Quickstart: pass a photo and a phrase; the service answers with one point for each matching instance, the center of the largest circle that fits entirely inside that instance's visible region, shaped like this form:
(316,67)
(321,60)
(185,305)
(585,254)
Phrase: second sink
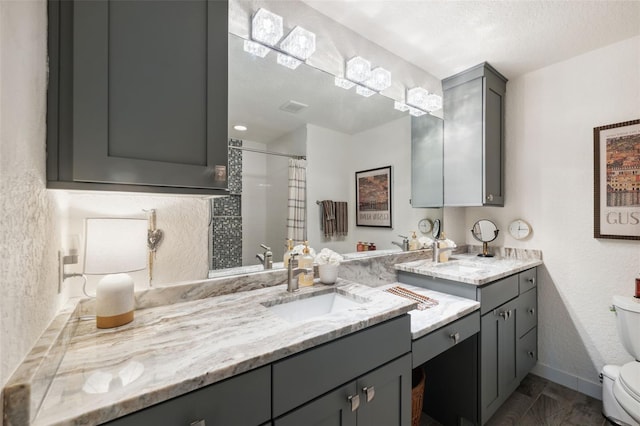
(315,305)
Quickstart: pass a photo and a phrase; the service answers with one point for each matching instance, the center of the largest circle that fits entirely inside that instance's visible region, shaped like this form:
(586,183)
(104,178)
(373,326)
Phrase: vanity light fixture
(364,91)
(380,79)
(344,83)
(417,97)
(433,102)
(400,106)
(299,43)
(358,69)
(256,49)
(288,61)
(266,27)
(416,112)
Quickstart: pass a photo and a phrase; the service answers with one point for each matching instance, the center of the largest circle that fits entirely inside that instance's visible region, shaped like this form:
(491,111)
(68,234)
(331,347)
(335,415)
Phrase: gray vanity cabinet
(137,97)
(473,103)
(241,400)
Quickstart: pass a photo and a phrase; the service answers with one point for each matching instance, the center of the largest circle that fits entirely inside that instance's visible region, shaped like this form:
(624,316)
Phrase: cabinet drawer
(442,339)
(527,353)
(216,404)
(527,312)
(302,377)
(527,280)
(493,295)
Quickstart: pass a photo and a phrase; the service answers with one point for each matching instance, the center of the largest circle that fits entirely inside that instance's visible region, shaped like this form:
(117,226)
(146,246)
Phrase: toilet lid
(630,379)
(627,303)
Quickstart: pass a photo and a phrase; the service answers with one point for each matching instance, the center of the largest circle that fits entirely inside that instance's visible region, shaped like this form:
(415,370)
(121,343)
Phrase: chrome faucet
(437,250)
(266,258)
(405,243)
(293,272)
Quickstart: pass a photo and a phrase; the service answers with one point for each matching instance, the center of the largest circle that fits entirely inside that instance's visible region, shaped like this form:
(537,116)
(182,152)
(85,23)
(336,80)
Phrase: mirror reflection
(485,231)
(301,116)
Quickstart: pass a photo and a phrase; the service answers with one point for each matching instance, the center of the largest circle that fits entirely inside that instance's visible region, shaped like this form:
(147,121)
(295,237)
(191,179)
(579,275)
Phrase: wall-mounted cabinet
(137,96)
(426,161)
(474,102)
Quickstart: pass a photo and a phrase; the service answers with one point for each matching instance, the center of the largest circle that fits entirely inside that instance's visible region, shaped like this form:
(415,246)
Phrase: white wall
(550,118)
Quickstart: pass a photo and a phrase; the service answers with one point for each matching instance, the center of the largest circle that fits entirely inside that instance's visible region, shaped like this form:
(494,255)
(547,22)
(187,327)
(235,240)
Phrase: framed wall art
(616,153)
(373,197)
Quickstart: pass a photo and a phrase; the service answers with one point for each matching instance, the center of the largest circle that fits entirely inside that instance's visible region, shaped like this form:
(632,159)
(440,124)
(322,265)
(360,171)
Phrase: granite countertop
(448,309)
(471,269)
(173,349)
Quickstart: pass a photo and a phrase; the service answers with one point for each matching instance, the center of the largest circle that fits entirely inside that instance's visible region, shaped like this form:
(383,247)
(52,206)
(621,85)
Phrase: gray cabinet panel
(332,409)
(435,343)
(527,280)
(527,313)
(217,404)
(495,294)
(527,353)
(138,96)
(426,161)
(302,377)
(389,401)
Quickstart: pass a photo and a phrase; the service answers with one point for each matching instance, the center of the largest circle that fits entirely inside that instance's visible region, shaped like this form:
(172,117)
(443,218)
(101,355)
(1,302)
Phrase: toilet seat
(627,389)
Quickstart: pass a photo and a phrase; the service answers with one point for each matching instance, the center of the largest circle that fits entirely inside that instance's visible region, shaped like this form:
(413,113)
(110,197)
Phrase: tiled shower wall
(226,218)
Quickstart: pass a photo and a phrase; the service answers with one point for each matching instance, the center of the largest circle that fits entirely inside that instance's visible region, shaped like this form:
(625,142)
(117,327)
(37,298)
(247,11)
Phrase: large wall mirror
(302,113)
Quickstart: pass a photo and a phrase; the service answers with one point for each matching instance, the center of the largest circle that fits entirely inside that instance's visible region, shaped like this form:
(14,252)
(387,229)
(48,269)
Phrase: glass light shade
(358,69)
(344,83)
(266,27)
(400,106)
(300,43)
(288,61)
(417,97)
(256,49)
(433,102)
(115,245)
(380,79)
(416,112)
(363,91)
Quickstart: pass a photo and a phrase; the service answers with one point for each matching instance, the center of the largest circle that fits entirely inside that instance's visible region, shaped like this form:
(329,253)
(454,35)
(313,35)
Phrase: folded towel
(342,218)
(328,218)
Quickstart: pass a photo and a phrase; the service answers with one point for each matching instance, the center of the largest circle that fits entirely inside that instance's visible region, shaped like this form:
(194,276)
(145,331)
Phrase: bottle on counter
(305,261)
(287,254)
(365,246)
(359,246)
(638,286)
(413,242)
(372,246)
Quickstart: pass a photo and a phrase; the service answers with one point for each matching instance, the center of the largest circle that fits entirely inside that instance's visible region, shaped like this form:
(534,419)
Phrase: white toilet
(621,385)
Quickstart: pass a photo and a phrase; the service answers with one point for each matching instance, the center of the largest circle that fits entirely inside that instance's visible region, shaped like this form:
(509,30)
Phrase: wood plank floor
(539,402)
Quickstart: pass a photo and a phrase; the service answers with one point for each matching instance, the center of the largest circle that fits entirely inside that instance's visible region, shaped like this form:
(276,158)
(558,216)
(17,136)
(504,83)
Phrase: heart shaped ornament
(154,238)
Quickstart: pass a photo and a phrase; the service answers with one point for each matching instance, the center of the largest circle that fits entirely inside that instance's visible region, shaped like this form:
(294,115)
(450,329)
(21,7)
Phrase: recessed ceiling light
(240,128)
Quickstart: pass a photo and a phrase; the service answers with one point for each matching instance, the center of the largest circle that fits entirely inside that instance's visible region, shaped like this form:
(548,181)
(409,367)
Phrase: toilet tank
(628,323)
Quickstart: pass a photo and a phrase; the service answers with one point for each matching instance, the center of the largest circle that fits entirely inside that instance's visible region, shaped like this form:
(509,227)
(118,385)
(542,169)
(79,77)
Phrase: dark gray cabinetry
(508,331)
(426,161)
(241,400)
(474,102)
(363,378)
(137,96)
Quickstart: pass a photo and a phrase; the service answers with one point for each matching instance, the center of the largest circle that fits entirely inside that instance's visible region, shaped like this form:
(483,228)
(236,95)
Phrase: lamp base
(114,321)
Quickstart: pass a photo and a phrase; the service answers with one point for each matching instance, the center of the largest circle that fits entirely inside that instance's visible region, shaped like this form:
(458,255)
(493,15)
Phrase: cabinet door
(527,353)
(498,373)
(493,140)
(150,93)
(337,408)
(427,188)
(385,395)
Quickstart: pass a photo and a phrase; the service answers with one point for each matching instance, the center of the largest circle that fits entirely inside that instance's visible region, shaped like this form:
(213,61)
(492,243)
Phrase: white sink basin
(458,268)
(313,306)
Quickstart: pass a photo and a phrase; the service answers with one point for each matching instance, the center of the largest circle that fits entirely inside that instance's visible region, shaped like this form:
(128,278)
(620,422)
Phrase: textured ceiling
(446,37)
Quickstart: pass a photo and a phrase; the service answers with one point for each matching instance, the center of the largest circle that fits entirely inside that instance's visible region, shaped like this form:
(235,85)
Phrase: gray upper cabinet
(426,161)
(474,102)
(138,96)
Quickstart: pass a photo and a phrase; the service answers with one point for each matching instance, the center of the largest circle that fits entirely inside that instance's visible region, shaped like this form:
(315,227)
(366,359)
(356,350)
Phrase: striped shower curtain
(297,212)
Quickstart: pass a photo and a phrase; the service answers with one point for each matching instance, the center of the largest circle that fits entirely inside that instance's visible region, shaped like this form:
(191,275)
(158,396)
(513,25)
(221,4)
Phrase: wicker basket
(417,392)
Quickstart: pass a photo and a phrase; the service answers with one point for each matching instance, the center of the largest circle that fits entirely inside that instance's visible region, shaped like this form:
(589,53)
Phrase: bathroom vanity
(507,292)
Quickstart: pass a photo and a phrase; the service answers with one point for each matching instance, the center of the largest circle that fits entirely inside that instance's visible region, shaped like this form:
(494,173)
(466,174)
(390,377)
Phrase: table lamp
(114,247)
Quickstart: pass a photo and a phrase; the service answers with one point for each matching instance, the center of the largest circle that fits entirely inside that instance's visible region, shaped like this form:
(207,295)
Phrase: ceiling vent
(293,107)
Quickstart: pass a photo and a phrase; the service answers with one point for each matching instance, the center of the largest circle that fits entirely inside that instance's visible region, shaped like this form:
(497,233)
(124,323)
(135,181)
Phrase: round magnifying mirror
(436,229)
(485,231)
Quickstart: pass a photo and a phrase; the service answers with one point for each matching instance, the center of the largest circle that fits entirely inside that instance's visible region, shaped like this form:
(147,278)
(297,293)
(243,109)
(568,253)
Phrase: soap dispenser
(305,261)
(413,242)
(287,254)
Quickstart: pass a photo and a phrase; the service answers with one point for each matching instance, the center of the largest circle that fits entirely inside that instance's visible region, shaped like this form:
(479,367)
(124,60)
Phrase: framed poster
(373,197)
(616,153)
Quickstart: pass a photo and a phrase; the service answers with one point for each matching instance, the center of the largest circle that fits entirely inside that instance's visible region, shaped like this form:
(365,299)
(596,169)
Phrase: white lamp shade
(115,245)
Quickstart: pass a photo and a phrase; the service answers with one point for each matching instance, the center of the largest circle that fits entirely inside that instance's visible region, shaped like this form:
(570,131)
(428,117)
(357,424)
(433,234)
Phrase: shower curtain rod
(242,148)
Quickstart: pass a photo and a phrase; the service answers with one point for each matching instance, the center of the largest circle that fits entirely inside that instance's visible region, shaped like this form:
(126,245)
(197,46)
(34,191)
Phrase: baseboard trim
(586,387)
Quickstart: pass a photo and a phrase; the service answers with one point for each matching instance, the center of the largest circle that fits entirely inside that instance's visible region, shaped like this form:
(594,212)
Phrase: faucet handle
(402,236)
(265,247)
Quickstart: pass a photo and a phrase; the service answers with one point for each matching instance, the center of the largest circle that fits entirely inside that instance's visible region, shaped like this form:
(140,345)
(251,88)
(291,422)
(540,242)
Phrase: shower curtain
(297,212)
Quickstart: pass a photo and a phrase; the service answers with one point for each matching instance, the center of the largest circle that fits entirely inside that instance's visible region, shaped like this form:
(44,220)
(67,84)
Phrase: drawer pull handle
(355,402)
(198,423)
(531,354)
(532,280)
(531,311)
(490,197)
(505,314)
(370,392)
(455,337)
